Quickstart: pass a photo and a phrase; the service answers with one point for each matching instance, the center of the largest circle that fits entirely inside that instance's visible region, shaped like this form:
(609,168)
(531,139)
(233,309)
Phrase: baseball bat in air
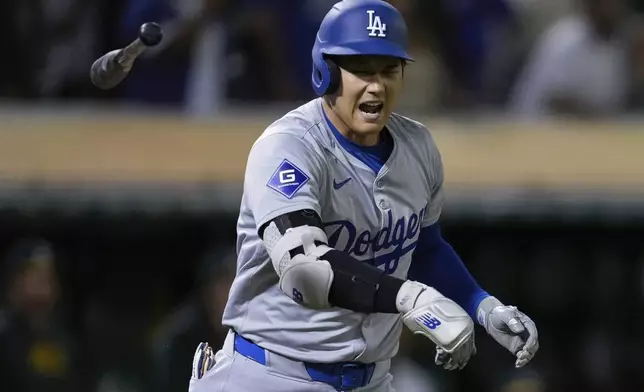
(109,70)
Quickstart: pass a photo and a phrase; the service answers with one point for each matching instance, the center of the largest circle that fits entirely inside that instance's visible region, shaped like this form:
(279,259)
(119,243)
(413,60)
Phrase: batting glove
(429,313)
(511,328)
(203,360)
(457,359)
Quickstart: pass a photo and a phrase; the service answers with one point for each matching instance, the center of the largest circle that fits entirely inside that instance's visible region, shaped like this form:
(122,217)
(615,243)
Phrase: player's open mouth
(371,110)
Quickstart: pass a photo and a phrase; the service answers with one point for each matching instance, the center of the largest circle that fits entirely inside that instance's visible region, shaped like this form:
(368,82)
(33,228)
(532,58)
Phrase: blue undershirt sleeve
(436,264)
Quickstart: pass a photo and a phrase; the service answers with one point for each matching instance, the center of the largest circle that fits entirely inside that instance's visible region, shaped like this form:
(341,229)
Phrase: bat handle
(129,54)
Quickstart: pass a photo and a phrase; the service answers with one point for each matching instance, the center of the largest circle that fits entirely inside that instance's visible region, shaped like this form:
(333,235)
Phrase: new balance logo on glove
(428,320)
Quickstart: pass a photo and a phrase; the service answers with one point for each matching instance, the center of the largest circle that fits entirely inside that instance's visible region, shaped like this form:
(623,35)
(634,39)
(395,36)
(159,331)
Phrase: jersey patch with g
(287,179)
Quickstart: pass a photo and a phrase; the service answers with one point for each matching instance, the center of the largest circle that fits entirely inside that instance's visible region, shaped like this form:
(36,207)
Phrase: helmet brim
(368,48)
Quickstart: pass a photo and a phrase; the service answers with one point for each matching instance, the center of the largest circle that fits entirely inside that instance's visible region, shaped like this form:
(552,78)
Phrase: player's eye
(391,70)
(363,72)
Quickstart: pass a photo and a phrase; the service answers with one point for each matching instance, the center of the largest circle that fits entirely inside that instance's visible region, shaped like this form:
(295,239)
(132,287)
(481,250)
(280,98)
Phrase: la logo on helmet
(376,27)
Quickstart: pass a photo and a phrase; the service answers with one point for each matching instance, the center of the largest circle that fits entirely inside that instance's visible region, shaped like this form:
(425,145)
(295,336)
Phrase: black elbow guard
(361,287)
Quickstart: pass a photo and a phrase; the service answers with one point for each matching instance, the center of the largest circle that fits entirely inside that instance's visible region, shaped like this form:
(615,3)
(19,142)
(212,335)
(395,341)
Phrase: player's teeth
(371,107)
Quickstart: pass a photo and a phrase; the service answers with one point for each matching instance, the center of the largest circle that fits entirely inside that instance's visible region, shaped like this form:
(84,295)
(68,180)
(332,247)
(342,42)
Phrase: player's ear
(335,82)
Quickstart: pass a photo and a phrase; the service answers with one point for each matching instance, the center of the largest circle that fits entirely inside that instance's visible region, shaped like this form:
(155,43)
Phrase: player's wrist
(424,309)
(486,307)
(409,293)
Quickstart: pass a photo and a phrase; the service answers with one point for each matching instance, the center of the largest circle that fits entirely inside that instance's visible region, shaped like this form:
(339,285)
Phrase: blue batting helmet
(356,27)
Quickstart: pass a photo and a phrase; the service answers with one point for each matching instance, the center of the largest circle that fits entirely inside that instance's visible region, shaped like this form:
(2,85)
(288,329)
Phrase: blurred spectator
(288,31)
(214,52)
(186,69)
(532,19)
(425,78)
(579,66)
(636,66)
(23,42)
(198,320)
(37,350)
(70,39)
(472,36)
(537,16)
(51,45)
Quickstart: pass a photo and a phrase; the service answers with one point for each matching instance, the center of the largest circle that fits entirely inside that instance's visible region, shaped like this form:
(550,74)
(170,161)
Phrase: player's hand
(511,328)
(429,313)
(459,358)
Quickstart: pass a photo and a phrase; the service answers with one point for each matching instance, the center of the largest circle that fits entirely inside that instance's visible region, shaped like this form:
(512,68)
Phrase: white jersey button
(383,204)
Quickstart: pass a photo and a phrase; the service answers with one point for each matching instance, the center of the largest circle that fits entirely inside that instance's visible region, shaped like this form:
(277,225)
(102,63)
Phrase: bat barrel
(106,72)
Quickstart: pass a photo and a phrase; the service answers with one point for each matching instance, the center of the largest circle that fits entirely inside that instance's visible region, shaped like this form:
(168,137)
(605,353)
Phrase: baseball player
(339,245)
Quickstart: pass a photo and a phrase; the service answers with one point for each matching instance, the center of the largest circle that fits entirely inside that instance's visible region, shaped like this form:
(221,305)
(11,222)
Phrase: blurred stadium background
(118,208)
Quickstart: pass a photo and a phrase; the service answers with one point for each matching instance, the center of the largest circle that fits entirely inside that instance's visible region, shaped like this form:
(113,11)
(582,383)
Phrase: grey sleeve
(436,194)
(283,174)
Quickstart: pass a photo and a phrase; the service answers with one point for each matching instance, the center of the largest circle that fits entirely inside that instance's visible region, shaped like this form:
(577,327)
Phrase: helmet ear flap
(321,76)
(326,75)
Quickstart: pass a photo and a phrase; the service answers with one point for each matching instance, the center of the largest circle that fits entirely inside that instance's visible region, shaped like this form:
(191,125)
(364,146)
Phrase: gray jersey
(297,164)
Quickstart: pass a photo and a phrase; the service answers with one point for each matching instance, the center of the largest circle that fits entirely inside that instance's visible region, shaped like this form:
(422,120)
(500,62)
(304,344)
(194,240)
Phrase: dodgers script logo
(376,25)
(398,238)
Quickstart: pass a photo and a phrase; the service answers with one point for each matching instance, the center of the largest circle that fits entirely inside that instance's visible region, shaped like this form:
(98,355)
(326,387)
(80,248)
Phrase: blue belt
(343,376)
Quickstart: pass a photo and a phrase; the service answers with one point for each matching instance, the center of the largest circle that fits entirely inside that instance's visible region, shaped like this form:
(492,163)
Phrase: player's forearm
(364,288)
(437,264)
(361,287)
(317,276)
